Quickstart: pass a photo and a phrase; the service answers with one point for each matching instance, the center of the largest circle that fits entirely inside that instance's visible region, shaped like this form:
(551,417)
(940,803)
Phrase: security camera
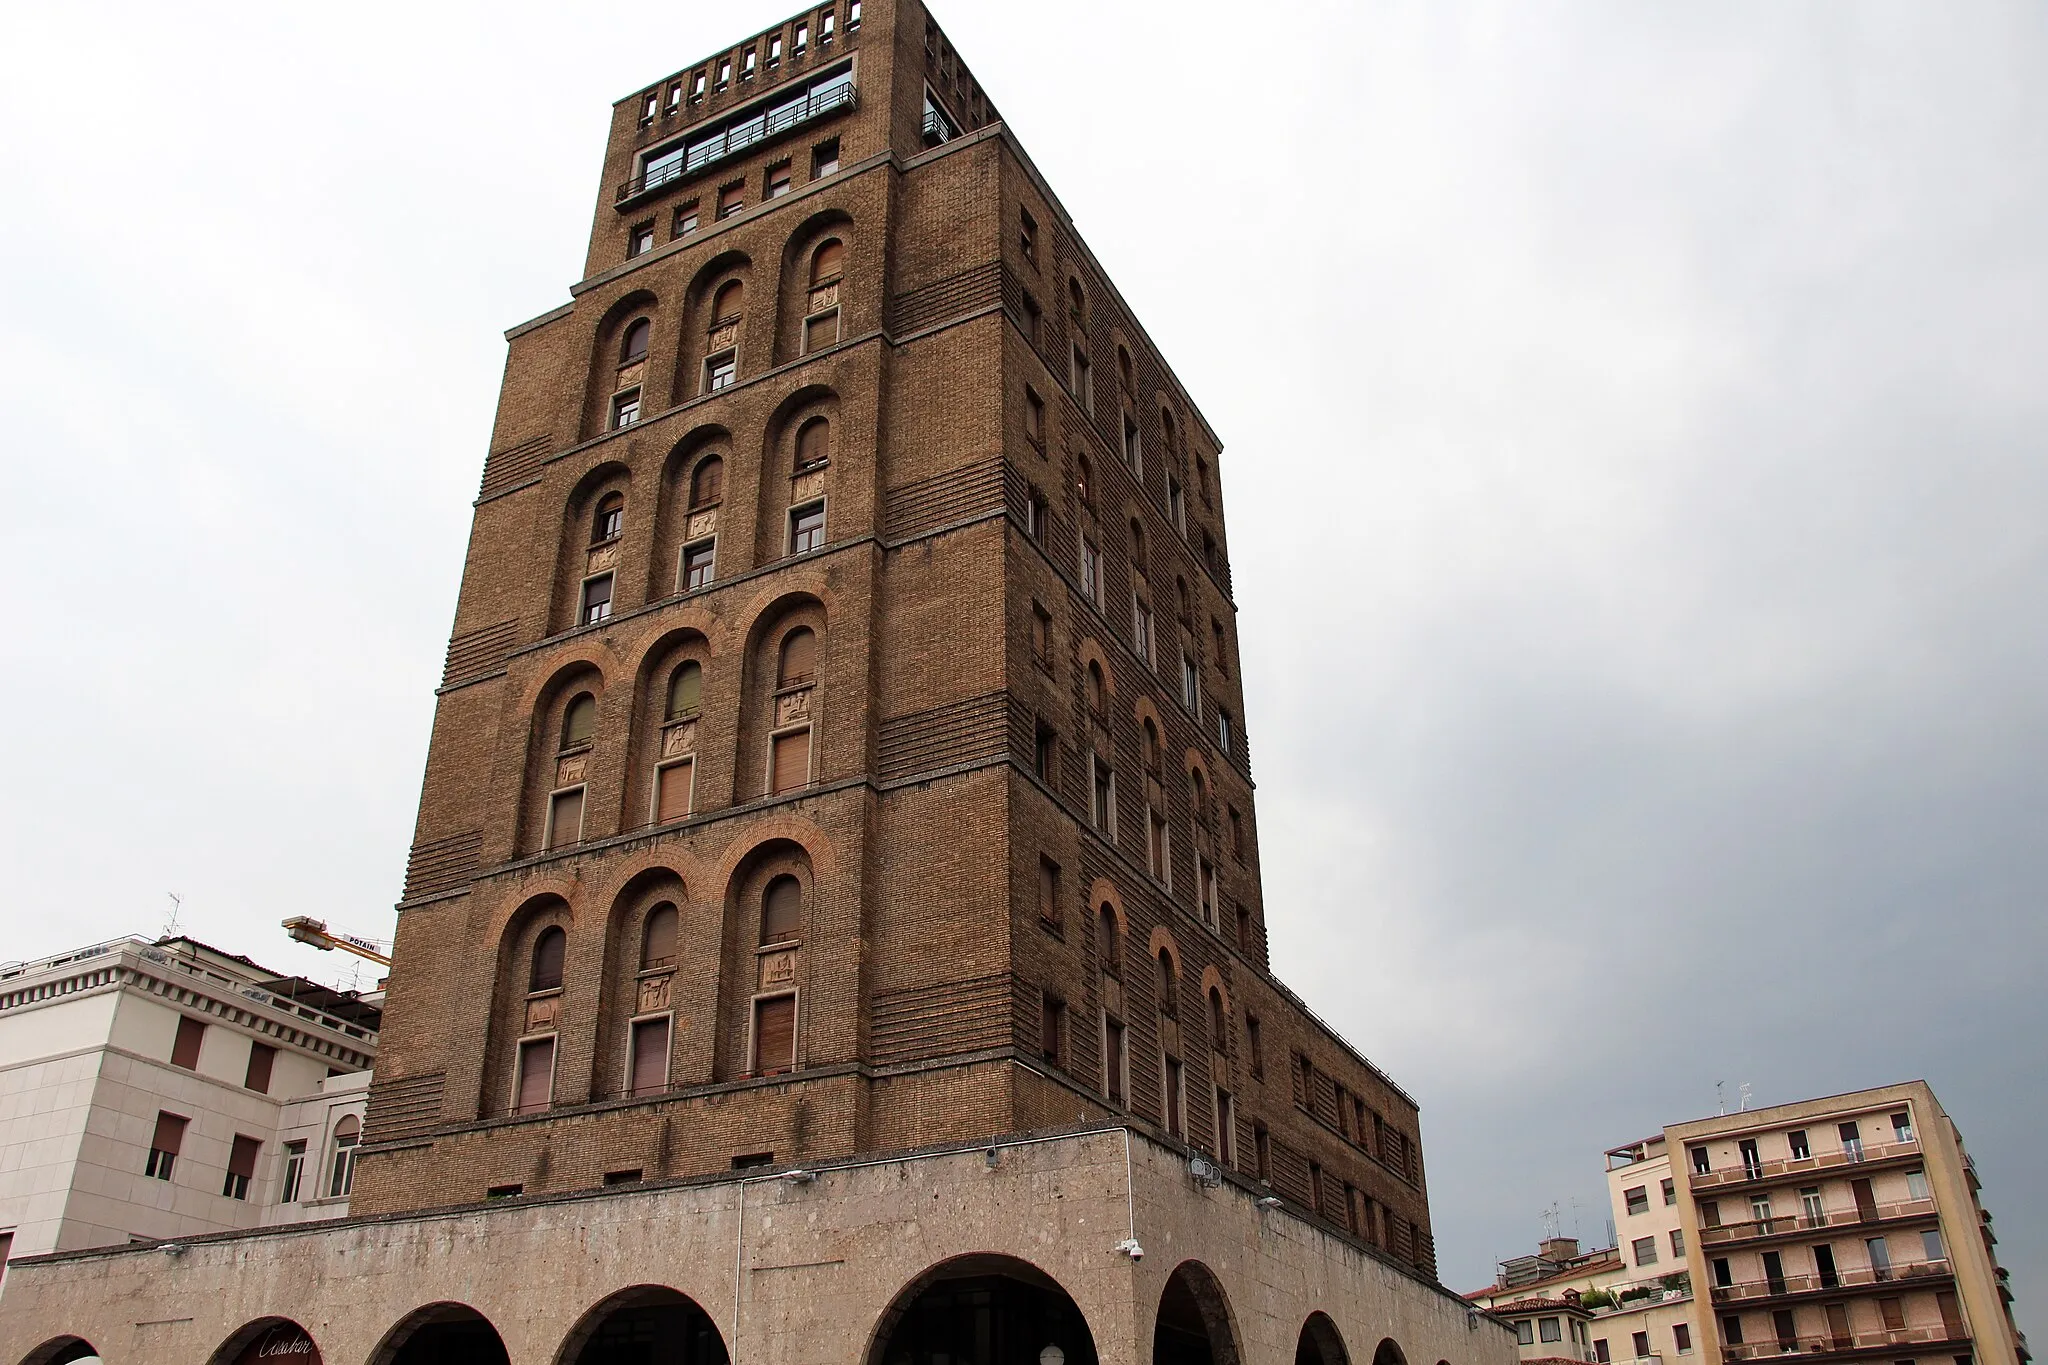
(1129,1247)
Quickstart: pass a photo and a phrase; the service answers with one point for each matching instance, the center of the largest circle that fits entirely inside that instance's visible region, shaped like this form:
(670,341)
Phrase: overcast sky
(1634,420)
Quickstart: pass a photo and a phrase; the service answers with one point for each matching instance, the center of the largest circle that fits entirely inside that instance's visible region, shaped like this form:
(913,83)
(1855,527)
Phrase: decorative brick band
(438,865)
(479,653)
(514,464)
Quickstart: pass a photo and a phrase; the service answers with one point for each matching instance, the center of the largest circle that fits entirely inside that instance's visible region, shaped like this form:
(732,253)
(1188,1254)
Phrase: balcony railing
(1841,1279)
(739,137)
(1784,1223)
(1750,1172)
(1837,1345)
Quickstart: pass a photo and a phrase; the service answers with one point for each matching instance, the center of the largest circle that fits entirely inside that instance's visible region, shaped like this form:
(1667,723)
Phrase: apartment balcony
(1788,1168)
(1852,1346)
(1789,1225)
(730,141)
(1918,1275)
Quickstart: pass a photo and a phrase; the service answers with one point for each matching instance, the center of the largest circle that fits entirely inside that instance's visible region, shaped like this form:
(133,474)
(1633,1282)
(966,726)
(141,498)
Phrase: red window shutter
(799,658)
(565,824)
(774,1035)
(170,1134)
(261,1056)
(707,485)
(826,264)
(536,1075)
(650,1056)
(672,798)
(814,441)
(791,762)
(242,1156)
(185,1051)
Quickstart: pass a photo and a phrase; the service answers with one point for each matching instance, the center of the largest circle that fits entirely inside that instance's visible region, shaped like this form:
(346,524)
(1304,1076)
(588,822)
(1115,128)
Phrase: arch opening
(982,1310)
(1320,1343)
(641,1326)
(1193,1327)
(442,1334)
(63,1351)
(267,1341)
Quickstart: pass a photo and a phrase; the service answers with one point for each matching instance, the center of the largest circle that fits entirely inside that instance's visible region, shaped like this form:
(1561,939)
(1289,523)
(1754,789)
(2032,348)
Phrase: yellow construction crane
(306,929)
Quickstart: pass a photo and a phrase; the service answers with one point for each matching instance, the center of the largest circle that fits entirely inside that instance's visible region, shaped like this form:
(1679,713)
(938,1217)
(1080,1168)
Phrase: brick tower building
(840,770)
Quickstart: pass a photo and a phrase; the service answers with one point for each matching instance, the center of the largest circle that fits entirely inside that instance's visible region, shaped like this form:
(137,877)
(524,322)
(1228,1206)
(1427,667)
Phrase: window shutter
(242,1156)
(827,263)
(781,911)
(536,1075)
(566,825)
(707,485)
(686,690)
(658,939)
(799,658)
(261,1056)
(733,294)
(774,1035)
(792,762)
(650,1056)
(185,1049)
(814,441)
(672,798)
(579,722)
(170,1134)
(549,952)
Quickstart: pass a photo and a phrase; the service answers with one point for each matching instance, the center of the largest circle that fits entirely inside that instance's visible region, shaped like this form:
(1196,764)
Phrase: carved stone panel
(654,993)
(805,487)
(824,296)
(778,970)
(543,1014)
(702,524)
(569,771)
(630,375)
(603,558)
(792,707)
(678,739)
(725,335)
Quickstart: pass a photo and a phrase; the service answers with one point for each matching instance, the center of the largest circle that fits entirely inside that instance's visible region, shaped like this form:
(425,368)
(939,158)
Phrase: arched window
(1219,1023)
(633,345)
(658,939)
(1198,796)
(1166,982)
(1137,544)
(1109,940)
(348,1135)
(609,520)
(707,482)
(798,663)
(728,301)
(828,262)
(579,722)
(548,952)
(1166,432)
(685,691)
(813,443)
(781,911)
(1077,303)
(1098,690)
(1123,368)
(1152,760)
(1084,481)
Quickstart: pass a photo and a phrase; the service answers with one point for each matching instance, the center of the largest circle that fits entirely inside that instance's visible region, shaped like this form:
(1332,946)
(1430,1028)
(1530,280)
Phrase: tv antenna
(1745,1098)
(177,907)
(1550,1222)
(1720,1099)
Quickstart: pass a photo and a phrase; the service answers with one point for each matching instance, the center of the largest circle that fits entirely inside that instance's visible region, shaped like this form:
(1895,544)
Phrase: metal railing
(1749,1172)
(1838,1344)
(740,136)
(1841,1279)
(1803,1222)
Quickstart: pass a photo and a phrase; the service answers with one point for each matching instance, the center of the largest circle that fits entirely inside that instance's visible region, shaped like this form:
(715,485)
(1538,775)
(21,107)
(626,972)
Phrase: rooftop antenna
(177,906)
(1720,1099)
(1575,1215)
(1550,1221)
(1745,1098)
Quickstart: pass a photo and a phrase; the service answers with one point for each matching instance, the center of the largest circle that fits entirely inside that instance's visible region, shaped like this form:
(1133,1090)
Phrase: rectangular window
(1893,1314)
(1037,515)
(648,106)
(806,528)
(1205,889)
(1670,1191)
(1048,890)
(1175,1098)
(1600,1350)
(1760,1211)
(1034,417)
(825,19)
(1224,730)
(775,1035)
(1931,1247)
(1191,684)
(853,16)
(699,565)
(1637,1199)
(821,330)
(1681,1337)
(724,74)
(597,600)
(341,1177)
(748,61)
(536,1075)
(1812,1208)
(1731,1328)
(777,182)
(1033,320)
(674,784)
(685,220)
(1027,236)
(825,158)
(1226,1127)
(802,41)
(1236,826)
(1678,1243)
(1141,630)
(1244,929)
(1081,379)
(1115,1061)
(1902,1127)
(1752,1164)
(1641,1341)
(1041,636)
(640,240)
(1052,1026)
(1525,1332)
(648,1067)
(1102,810)
(1701,1164)
(1796,1142)
(1091,571)
(1852,1141)
(1880,1254)
(1916,1184)
(790,761)
(1158,856)
(625,408)
(675,97)
(1134,455)
(565,818)
(262,1056)
(241,1166)
(1645,1250)
(164,1145)
(697,82)
(1548,1330)
(185,1047)
(731,199)
(294,1172)
(1045,755)
(1254,1045)
(1710,1213)
(774,58)
(720,370)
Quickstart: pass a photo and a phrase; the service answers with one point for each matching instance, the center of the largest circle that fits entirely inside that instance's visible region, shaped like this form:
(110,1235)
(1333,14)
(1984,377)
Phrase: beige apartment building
(1845,1228)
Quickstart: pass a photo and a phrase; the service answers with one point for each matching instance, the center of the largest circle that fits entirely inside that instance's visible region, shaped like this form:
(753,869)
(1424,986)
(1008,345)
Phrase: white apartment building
(158,1090)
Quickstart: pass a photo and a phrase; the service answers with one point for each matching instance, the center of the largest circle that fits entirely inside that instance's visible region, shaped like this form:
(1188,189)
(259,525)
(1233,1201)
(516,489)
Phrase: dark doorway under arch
(442,1334)
(269,1339)
(1194,1320)
(983,1310)
(1320,1343)
(62,1351)
(645,1325)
